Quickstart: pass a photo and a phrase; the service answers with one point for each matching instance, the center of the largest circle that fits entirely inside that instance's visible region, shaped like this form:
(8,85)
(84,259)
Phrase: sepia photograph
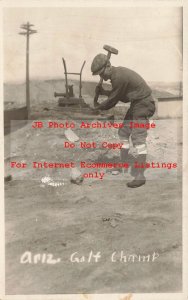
(93,149)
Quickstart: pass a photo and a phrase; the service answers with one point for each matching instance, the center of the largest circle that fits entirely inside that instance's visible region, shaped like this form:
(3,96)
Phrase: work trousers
(139,112)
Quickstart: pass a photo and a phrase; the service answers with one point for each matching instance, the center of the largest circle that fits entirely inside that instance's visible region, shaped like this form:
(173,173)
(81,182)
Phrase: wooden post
(27,73)
(27,32)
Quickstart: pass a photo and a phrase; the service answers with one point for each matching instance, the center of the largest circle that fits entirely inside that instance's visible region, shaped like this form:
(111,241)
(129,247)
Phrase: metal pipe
(80,87)
(59,94)
(66,80)
(73,73)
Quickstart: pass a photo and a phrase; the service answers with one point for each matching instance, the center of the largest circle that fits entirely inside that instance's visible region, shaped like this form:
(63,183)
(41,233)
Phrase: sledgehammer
(110,50)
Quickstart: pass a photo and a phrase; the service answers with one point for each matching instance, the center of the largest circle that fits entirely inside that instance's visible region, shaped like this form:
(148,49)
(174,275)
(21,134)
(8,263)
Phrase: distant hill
(163,89)
(42,91)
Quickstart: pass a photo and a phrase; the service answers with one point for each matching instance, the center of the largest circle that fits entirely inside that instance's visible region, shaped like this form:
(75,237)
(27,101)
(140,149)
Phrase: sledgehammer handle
(97,93)
(100,82)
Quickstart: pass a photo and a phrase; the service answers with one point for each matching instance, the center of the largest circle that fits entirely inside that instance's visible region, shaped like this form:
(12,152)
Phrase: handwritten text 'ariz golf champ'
(92,257)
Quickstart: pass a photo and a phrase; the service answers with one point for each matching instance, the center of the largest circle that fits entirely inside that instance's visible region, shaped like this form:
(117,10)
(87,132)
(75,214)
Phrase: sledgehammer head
(110,49)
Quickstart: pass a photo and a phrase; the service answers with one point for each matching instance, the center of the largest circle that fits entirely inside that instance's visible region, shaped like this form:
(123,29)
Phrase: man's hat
(99,62)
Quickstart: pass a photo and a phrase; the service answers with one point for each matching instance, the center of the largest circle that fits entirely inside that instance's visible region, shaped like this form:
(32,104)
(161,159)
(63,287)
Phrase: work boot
(139,179)
(124,157)
(133,171)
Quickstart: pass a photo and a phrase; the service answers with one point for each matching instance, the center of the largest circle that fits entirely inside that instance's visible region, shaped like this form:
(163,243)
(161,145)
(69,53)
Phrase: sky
(149,40)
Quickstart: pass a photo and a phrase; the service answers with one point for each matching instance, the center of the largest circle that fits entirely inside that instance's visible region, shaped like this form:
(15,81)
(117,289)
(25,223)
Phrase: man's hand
(96,109)
(96,104)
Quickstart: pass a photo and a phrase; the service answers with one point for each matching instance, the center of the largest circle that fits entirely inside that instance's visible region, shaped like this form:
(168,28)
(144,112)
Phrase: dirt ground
(100,215)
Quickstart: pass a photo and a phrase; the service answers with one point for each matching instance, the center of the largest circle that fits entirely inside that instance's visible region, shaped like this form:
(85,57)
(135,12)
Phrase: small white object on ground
(115,172)
(71,136)
(49,181)
(46,179)
(76,176)
(113,223)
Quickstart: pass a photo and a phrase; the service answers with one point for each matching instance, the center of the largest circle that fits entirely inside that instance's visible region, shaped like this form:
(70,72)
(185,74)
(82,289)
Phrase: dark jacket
(127,86)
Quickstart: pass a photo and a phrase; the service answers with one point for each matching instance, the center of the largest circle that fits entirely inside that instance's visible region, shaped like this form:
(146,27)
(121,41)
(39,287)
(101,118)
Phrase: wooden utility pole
(28,31)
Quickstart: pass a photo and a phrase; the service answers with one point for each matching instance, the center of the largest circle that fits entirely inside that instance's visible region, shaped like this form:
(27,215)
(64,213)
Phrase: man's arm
(106,92)
(113,97)
(99,90)
(107,104)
